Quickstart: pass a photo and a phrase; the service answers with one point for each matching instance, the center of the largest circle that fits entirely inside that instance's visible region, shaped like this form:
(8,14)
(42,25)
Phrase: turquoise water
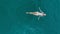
(13,19)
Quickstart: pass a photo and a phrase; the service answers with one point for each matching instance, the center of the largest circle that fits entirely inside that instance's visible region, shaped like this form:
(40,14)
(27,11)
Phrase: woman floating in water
(37,13)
